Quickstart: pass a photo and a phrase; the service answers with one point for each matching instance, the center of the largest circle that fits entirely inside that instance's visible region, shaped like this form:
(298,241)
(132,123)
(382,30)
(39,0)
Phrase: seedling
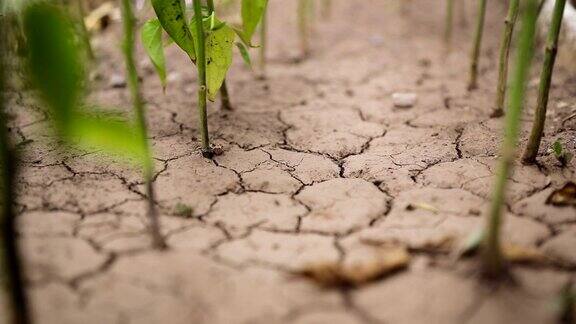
(81,12)
(55,70)
(545,80)
(17,310)
(263,37)
(449,22)
(183,210)
(305,8)
(206,40)
(477,45)
(509,24)
(563,156)
(129,23)
(493,262)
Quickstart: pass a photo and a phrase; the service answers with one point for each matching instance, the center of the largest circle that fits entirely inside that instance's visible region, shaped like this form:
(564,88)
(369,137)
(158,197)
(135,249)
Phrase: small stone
(404,100)
(174,77)
(117,81)
(217,150)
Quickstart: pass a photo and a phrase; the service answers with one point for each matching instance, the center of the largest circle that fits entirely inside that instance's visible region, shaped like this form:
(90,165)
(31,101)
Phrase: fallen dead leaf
(99,18)
(521,254)
(565,196)
(359,270)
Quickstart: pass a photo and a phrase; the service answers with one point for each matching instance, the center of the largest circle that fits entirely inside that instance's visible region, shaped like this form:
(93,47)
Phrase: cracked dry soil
(319,168)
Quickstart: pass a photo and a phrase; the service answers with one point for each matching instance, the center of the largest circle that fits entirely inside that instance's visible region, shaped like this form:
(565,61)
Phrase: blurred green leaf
(172,17)
(219,44)
(53,62)
(252,12)
(108,134)
(152,41)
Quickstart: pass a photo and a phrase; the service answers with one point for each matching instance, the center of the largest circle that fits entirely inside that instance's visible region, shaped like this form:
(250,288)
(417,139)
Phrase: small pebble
(117,81)
(173,77)
(404,100)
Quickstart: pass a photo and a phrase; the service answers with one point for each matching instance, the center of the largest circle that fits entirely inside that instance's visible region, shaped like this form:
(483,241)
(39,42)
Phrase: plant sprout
(263,37)
(129,21)
(10,256)
(56,73)
(83,31)
(304,16)
(476,48)
(493,262)
(449,22)
(545,80)
(509,24)
(563,156)
(207,41)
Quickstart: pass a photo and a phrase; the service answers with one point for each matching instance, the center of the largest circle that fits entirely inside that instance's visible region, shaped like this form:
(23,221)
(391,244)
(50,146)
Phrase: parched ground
(323,185)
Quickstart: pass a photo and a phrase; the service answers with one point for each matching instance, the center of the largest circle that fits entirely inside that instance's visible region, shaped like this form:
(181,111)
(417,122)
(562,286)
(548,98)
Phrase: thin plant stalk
(493,263)
(509,24)
(449,22)
(477,46)
(201,68)
(545,80)
(463,20)
(326,9)
(303,26)
(226,103)
(10,256)
(129,22)
(263,39)
(85,34)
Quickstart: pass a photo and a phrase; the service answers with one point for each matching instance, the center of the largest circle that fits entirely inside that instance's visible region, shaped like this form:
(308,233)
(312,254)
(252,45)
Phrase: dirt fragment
(563,197)
(359,269)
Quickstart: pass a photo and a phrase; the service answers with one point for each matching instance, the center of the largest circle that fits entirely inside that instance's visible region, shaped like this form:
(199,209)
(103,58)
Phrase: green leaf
(219,44)
(172,17)
(114,136)
(557,148)
(54,62)
(252,12)
(152,41)
(244,53)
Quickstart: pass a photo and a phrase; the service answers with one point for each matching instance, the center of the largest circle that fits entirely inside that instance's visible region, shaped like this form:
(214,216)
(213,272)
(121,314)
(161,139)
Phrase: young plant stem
(84,31)
(545,80)
(303,21)
(129,22)
(491,253)
(476,48)
(263,38)
(326,9)
(449,22)
(463,20)
(509,24)
(11,280)
(226,104)
(201,67)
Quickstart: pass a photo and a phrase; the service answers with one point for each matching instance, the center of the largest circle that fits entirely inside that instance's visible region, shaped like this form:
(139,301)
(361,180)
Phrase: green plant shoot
(477,45)
(449,22)
(561,154)
(129,22)
(492,260)
(545,80)
(509,24)
(208,42)
(55,71)
(304,17)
